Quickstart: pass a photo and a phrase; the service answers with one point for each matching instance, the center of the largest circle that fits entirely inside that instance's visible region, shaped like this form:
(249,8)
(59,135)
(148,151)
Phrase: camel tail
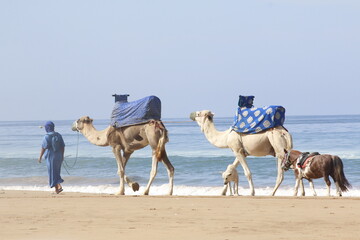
(160,149)
(339,174)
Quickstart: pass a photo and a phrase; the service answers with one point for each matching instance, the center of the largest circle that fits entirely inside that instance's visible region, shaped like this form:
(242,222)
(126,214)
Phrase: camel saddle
(254,120)
(249,119)
(302,159)
(136,112)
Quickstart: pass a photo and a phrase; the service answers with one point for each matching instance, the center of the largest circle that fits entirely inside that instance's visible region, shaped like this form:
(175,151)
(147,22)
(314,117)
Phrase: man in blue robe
(54,147)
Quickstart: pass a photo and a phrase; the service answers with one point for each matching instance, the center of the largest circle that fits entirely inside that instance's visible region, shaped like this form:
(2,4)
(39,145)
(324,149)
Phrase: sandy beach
(44,215)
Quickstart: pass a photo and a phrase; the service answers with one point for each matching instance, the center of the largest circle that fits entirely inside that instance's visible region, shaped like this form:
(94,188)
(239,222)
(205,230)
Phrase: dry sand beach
(43,215)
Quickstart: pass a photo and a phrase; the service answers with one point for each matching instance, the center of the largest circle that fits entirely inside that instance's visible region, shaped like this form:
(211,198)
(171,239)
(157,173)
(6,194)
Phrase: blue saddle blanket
(136,112)
(254,120)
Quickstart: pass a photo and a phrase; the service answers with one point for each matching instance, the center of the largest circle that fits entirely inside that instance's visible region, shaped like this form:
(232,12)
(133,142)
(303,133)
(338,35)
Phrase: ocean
(198,165)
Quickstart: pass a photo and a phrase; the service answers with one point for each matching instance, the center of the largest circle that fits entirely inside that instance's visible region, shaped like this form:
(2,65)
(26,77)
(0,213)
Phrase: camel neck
(215,137)
(94,136)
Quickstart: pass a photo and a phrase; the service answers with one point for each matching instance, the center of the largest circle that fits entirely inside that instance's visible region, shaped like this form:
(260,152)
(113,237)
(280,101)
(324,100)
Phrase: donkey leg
(312,187)
(302,187)
(328,184)
(338,190)
(296,188)
(170,169)
(152,173)
(241,159)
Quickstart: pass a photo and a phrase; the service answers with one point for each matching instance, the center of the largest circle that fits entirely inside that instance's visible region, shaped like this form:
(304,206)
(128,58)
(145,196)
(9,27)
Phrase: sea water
(198,164)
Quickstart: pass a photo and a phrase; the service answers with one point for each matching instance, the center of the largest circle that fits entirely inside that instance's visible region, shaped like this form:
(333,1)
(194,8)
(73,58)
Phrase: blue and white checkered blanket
(255,120)
(140,111)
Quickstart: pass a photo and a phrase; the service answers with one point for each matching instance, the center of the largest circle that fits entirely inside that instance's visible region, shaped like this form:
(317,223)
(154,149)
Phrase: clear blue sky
(64,59)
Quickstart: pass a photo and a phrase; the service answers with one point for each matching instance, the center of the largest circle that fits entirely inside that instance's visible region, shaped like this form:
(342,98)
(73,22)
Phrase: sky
(60,60)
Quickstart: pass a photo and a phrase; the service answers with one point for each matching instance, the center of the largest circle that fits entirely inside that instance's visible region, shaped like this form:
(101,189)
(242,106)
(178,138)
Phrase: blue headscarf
(49,126)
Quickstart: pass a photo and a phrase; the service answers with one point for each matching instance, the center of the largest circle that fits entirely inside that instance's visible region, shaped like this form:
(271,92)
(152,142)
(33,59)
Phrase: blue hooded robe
(54,145)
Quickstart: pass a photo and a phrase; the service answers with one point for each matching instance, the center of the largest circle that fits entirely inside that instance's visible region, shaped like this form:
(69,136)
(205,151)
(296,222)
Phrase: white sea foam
(178,190)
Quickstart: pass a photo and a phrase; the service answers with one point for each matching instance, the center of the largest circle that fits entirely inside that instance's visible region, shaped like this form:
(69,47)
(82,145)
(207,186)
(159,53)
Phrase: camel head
(78,125)
(201,117)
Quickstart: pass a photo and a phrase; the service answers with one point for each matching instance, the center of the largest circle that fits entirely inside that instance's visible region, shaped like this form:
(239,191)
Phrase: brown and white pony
(317,166)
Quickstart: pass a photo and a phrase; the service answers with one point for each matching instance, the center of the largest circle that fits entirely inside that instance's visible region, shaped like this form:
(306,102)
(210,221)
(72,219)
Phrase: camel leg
(280,176)
(152,173)
(279,143)
(121,168)
(134,185)
(241,159)
(170,169)
(311,183)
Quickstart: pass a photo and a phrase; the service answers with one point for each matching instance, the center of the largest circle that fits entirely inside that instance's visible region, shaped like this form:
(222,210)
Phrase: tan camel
(269,142)
(125,140)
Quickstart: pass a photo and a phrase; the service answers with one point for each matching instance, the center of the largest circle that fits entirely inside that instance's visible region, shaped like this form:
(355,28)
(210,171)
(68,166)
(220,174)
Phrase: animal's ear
(88,119)
(210,116)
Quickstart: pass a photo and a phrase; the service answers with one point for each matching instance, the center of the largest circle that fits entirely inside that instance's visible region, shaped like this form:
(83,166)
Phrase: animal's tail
(160,149)
(339,174)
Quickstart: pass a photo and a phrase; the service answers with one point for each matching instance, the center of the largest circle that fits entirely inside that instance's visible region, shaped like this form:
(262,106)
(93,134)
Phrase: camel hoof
(135,186)
(120,193)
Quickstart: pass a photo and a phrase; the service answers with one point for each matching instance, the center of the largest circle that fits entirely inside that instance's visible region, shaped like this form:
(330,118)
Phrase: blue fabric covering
(53,158)
(254,120)
(246,101)
(136,112)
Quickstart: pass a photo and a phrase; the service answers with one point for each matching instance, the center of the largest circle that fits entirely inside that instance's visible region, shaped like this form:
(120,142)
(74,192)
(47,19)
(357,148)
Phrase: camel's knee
(171,172)
(280,177)
(121,174)
(248,175)
(153,173)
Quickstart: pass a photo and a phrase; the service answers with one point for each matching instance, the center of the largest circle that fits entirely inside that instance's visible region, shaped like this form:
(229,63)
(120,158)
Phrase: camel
(125,140)
(268,142)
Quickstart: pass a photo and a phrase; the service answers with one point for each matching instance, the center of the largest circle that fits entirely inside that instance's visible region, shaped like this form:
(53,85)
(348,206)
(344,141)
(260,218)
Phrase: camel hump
(136,112)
